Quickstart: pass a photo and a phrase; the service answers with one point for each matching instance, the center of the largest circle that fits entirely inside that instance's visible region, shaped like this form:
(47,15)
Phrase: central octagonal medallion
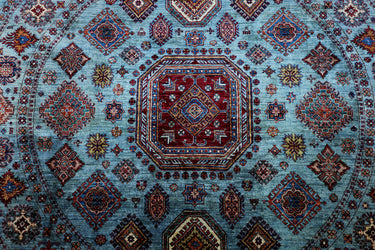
(194,113)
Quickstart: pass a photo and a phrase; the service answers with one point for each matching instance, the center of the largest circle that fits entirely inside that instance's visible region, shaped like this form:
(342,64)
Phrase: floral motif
(102,76)
(97,145)
(294,146)
(290,75)
(6,152)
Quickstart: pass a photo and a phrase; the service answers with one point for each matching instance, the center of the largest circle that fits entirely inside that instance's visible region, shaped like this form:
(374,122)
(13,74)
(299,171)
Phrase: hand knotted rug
(187,124)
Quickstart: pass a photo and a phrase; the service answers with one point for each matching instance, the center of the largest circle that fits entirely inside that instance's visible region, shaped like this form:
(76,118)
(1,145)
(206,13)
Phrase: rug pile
(187,124)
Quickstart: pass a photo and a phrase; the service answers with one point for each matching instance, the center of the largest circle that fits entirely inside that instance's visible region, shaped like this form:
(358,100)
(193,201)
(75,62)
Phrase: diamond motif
(67,111)
(71,59)
(131,55)
(329,167)
(263,172)
(106,32)
(96,199)
(294,202)
(21,224)
(131,234)
(284,31)
(324,111)
(321,60)
(138,10)
(258,234)
(194,116)
(193,13)
(65,164)
(258,54)
(249,10)
(125,171)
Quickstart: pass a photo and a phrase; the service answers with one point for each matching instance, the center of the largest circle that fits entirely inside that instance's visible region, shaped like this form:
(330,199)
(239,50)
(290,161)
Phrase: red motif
(329,167)
(161,30)
(65,164)
(232,205)
(157,204)
(294,202)
(227,29)
(190,112)
(19,40)
(71,59)
(10,187)
(67,111)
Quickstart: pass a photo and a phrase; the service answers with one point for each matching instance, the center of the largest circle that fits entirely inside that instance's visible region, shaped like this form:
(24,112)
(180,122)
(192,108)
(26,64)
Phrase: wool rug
(187,124)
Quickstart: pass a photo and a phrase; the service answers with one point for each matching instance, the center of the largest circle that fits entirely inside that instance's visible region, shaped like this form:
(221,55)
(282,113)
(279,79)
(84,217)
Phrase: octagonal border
(221,162)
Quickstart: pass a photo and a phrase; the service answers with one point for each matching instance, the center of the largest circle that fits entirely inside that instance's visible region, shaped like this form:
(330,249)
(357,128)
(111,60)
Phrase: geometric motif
(294,146)
(10,187)
(276,111)
(138,10)
(131,55)
(6,152)
(258,54)
(352,13)
(232,205)
(194,38)
(131,234)
(193,13)
(324,111)
(294,202)
(321,60)
(328,167)
(22,224)
(227,29)
(38,13)
(106,31)
(366,41)
(71,59)
(102,76)
(258,234)
(364,231)
(194,194)
(156,204)
(97,145)
(194,230)
(263,172)
(113,111)
(161,30)
(194,95)
(125,171)
(6,108)
(284,32)
(10,69)
(96,199)
(19,40)
(290,75)
(249,10)
(65,164)
(67,111)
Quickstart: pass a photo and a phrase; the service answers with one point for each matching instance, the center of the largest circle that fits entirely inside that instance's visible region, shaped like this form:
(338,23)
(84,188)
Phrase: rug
(187,124)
